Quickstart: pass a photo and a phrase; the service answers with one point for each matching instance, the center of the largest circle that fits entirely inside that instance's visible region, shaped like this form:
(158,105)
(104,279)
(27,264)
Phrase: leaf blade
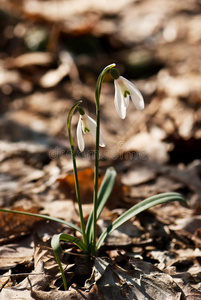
(44,217)
(55,243)
(103,195)
(136,209)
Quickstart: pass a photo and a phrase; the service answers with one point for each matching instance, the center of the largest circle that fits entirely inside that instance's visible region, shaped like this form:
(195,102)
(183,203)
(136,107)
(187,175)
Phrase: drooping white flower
(87,124)
(124,90)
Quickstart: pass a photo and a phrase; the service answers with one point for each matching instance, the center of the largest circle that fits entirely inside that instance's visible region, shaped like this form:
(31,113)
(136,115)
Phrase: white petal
(84,124)
(80,139)
(126,101)
(92,127)
(136,96)
(119,101)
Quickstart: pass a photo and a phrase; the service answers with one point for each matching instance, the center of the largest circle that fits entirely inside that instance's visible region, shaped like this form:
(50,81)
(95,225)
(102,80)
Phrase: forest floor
(51,53)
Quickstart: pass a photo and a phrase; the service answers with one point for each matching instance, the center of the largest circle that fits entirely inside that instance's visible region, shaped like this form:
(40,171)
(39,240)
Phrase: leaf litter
(157,254)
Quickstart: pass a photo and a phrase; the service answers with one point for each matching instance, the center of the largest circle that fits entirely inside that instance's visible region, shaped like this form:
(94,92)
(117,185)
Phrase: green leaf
(55,243)
(103,195)
(138,208)
(42,216)
(56,254)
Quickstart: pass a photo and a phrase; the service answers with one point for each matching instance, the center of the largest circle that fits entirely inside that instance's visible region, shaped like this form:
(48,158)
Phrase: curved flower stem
(95,197)
(75,171)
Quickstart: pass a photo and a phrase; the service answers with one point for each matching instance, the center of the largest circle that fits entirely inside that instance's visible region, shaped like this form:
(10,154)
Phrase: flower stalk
(95,195)
(69,120)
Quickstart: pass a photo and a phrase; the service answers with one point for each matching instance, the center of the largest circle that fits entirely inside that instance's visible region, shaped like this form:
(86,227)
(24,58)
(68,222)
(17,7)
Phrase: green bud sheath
(81,111)
(114,73)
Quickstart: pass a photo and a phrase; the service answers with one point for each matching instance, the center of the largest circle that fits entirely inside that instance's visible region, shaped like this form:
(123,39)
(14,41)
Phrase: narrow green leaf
(61,269)
(55,243)
(136,209)
(67,238)
(103,195)
(42,216)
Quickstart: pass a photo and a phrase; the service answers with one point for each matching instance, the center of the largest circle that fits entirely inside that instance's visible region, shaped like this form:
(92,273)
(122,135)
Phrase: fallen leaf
(12,224)
(65,10)
(33,58)
(53,77)
(149,147)
(73,293)
(137,175)
(86,184)
(142,281)
(8,293)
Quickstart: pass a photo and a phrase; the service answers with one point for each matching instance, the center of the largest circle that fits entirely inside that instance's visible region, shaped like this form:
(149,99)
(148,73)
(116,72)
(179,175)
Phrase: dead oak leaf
(141,280)
(11,223)
(86,184)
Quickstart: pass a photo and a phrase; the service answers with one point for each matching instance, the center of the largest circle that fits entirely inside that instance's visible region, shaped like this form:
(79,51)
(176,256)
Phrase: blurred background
(51,53)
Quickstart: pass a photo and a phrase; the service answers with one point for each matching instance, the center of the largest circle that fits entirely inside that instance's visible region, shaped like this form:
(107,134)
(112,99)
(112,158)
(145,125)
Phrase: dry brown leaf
(14,252)
(8,293)
(34,58)
(191,292)
(189,224)
(12,224)
(74,293)
(63,209)
(141,281)
(148,146)
(86,184)
(53,77)
(137,175)
(180,86)
(60,11)
(4,280)
(45,268)
(37,280)
(11,262)
(11,80)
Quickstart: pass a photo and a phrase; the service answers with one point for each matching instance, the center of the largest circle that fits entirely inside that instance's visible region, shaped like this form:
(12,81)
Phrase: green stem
(75,171)
(95,197)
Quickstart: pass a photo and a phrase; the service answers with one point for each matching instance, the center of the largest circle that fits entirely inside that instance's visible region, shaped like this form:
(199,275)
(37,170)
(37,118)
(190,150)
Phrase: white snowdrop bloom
(124,90)
(87,124)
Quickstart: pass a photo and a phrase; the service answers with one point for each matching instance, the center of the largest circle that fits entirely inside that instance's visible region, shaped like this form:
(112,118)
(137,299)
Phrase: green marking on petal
(126,93)
(86,129)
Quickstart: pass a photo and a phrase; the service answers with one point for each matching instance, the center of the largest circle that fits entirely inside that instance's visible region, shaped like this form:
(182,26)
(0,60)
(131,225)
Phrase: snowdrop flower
(86,124)
(124,90)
